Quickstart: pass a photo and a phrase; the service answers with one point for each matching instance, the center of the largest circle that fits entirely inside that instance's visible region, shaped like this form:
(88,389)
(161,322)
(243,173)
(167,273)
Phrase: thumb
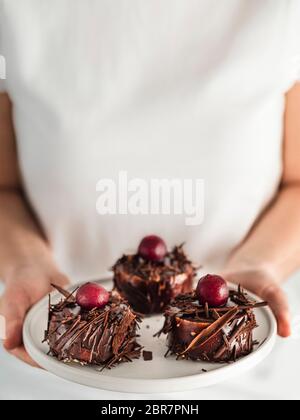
(266,287)
(14,305)
(278,302)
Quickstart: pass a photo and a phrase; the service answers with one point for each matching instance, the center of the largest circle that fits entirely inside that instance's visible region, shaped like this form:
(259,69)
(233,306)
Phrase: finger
(21,354)
(13,334)
(60,280)
(284,325)
(14,307)
(278,302)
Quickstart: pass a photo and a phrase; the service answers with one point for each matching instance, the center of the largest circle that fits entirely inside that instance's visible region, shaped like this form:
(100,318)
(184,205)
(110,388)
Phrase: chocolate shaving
(234,354)
(121,330)
(215,314)
(147,355)
(206,310)
(213,329)
(226,346)
(70,298)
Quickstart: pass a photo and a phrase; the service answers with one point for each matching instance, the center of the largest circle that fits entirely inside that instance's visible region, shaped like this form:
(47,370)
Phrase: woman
(198,89)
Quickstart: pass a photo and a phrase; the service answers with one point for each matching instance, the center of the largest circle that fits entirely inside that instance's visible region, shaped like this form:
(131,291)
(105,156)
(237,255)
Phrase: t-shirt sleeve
(2,57)
(294,42)
(2,74)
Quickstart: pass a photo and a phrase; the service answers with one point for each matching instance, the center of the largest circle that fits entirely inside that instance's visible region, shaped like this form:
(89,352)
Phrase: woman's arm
(272,250)
(26,263)
(20,238)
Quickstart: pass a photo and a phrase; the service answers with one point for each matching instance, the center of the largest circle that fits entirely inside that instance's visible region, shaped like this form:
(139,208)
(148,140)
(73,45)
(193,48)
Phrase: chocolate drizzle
(104,337)
(211,334)
(150,286)
(147,355)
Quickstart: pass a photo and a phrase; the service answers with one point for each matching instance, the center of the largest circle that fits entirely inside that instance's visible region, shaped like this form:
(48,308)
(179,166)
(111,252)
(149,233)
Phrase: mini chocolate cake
(220,335)
(103,336)
(150,285)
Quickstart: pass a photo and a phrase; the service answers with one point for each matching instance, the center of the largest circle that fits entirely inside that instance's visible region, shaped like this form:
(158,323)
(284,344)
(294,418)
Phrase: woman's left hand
(266,286)
(25,286)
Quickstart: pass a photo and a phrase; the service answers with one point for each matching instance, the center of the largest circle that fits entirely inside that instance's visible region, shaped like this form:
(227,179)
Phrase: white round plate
(156,376)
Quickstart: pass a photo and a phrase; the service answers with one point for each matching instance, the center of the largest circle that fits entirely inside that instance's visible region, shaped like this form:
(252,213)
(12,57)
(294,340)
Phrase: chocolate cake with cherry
(94,327)
(150,279)
(212,324)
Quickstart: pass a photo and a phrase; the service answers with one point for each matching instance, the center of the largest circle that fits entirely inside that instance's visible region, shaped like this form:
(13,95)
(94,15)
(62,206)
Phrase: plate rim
(145,385)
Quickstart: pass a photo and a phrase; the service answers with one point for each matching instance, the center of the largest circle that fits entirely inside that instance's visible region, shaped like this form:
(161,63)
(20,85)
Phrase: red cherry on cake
(92,295)
(212,290)
(153,248)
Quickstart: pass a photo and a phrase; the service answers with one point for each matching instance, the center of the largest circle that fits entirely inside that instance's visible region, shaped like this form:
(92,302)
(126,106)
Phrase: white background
(278,377)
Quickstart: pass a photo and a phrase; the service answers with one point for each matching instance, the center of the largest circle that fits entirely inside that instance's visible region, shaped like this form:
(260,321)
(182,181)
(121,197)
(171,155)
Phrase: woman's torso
(160,89)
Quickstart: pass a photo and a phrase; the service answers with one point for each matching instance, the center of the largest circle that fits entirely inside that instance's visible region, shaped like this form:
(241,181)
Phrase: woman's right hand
(25,285)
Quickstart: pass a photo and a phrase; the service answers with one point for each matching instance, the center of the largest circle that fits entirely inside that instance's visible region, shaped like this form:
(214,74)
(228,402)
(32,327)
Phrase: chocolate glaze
(210,334)
(150,286)
(103,337)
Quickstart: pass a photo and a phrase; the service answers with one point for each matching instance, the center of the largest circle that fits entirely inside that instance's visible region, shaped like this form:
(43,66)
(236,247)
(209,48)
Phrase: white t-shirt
(158,88)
